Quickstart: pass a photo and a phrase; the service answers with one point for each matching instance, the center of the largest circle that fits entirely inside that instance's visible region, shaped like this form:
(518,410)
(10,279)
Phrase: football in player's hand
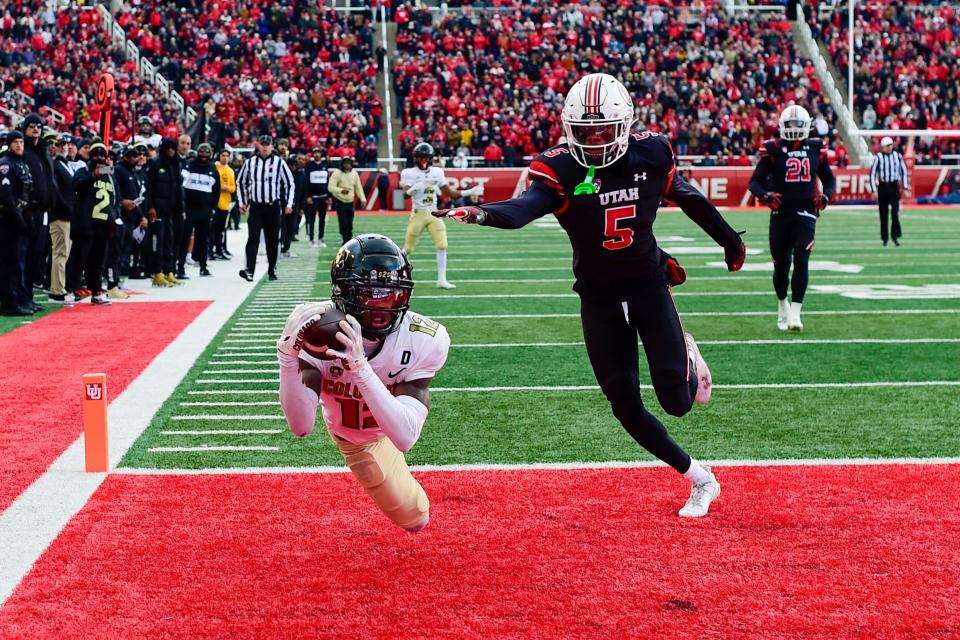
(322,333)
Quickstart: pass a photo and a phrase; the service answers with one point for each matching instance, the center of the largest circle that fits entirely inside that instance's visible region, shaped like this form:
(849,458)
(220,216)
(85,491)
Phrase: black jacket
(96,203)
(201,186)
(15,187)
(64,172)
(164,187)
(131,188)
(45,195)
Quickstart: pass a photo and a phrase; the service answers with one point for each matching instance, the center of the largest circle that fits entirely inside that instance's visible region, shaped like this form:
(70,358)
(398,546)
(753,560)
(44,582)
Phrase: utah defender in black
(785,181)
(622,276)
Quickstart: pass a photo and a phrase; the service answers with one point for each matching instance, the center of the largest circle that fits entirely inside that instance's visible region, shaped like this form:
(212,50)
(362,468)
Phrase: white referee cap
(885,141)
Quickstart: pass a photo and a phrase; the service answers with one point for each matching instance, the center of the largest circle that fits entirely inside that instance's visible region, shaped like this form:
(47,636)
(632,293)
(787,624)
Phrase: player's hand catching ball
(466,215)
(734,257)
(351,338)
(300,319)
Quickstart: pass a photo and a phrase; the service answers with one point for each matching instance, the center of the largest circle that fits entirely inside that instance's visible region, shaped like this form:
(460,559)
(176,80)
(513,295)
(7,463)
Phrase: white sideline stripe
(727,342)
(270,403)
(226,432)
(547,466)
(687,314)
(235,392)
(34,520)
(225,350)
(226,417)
(209,448)
(592,387)
(235,362)
(219,371)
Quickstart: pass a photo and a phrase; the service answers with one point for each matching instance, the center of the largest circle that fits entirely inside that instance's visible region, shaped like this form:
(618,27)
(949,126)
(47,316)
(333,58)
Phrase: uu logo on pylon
(94,391)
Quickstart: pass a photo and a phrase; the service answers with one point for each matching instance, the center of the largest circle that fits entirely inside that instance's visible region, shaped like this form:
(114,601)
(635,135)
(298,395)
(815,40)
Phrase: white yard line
(269,403)
(36,517)
(687,314)
(226,417)
(770,385)
(547,466)
(223,432)
(209,448)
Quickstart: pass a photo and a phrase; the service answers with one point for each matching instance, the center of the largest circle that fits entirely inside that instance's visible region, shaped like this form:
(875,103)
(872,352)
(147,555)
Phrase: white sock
(784,307)
(696,474)
(795,309)
(441,265)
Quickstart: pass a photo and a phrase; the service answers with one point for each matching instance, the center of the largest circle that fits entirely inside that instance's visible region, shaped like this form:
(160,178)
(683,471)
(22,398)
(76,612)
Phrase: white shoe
(701,370)
(445,284)
(701,496)
(313,243)
(783,312)
(323,245)
(793,318)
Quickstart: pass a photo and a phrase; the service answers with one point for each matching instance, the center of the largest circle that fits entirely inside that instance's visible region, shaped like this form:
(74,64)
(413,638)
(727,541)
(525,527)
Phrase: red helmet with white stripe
(597,116)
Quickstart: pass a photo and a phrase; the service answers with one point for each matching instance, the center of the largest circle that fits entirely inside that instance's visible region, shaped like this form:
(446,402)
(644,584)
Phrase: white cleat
(783,313)
(445,284)
(701,370)
(701,496)
(793,318)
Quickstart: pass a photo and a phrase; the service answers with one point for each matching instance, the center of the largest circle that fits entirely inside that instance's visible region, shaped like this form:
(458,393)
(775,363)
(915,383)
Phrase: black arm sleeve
(826,178)
(535,202)
(696,206)
(759,178)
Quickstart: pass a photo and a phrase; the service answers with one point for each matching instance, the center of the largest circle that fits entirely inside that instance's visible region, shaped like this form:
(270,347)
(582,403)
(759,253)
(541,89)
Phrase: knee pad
(382,471)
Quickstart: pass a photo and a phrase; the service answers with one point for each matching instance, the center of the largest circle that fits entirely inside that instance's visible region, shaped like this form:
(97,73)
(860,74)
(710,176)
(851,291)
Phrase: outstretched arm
(696,206)
(535,202)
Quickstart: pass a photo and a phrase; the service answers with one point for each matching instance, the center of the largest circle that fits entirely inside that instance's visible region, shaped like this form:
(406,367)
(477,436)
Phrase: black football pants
(791,240)
(316,217)
(888,197)
(610,330)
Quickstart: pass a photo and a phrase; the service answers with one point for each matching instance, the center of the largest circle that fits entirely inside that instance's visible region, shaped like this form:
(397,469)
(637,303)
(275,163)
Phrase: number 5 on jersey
(618,237)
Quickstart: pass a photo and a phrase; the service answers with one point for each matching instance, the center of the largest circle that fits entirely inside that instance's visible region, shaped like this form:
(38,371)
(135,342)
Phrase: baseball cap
(885,141)
(265,139)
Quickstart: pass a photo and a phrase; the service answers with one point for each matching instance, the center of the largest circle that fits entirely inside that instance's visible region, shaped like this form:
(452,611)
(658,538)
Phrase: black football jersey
(611,231)
(791,168)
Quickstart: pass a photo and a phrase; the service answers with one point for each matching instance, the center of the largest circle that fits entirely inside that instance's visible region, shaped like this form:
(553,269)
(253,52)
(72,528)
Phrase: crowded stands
(906,73)
(489,83)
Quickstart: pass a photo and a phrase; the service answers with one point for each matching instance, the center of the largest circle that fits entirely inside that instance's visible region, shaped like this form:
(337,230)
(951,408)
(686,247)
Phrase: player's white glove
(351,337)
(472,191)
(466,215)
(302,316)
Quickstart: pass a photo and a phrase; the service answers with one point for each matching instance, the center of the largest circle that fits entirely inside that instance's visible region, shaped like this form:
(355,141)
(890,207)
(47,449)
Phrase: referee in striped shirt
(265,189)
(888,173)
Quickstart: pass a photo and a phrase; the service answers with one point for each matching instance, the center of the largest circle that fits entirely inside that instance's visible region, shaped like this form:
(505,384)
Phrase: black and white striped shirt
(265,180)
(888,167)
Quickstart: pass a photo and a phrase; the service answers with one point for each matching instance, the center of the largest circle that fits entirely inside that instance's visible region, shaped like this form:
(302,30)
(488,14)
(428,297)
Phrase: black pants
(791,240)
(266,218)
(13,257)
(888,196)
(610,330)
(290,225)
(316,217)
(118,255)
(87,255)
(234,217)
(218,230)
(196,224)
(172,235)
(344,219)
(154,249)
(38,250)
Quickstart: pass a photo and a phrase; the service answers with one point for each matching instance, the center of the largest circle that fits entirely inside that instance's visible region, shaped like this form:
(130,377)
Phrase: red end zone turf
(41,365)
(789,552)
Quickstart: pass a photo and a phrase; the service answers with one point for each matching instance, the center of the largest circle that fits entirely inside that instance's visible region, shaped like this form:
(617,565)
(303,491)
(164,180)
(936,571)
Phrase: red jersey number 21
(618,238)
(798,170)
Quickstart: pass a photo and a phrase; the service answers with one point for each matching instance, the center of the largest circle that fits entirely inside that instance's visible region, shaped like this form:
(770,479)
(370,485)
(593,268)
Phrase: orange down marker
(95,421)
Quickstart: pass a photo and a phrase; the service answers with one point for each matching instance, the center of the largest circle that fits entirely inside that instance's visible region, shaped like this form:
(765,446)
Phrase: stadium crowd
(906,73)
(489,83)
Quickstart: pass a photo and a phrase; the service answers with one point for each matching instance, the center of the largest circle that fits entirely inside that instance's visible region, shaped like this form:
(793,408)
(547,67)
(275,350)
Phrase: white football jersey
(416,349)
(152,140)
(427,197)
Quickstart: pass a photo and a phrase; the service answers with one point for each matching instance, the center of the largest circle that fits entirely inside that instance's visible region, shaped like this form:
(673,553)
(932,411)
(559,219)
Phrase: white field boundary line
(544,466)
(759,385)
(211,448)
(38,515)
(222,432)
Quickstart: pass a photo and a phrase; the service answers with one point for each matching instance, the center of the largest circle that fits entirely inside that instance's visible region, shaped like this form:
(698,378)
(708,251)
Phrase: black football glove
(466,215)
(820,202)
(734,257)
(772,199)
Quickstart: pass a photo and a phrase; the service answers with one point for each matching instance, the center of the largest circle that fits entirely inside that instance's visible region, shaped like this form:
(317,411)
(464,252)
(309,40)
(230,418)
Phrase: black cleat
(246,275)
